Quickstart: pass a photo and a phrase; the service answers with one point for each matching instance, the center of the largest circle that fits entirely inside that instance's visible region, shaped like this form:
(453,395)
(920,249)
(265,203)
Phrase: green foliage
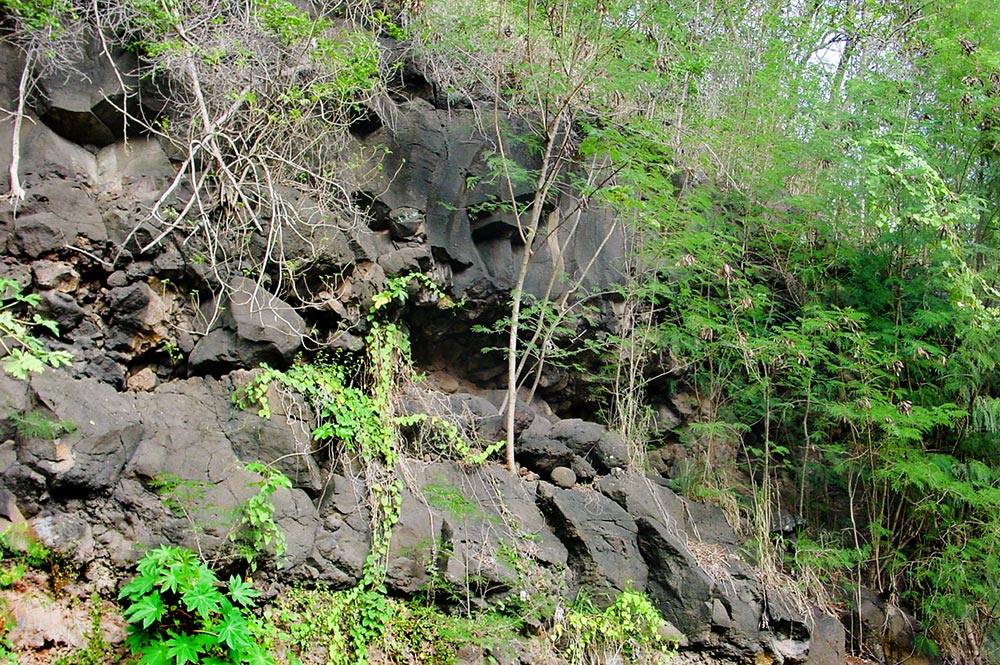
(180,496)
(180,612)
(346,623)
(36,425)
(449,499)
(354,404)
(24,352)
(39,15)
(630,629)
(256,532)
(19,553)
(346,627)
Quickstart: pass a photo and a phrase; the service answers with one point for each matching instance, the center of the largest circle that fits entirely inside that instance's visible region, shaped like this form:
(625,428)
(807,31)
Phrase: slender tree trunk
(529,234)
(17,193)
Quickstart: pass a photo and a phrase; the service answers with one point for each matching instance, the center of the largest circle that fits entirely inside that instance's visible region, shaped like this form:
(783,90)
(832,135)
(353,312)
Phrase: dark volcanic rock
(426,183)
(600,537)
(455,520)
(83,102)
(538,451)
(105,426)
(253,327)
(139,315)
(591,441)
(588,448)
(55,214)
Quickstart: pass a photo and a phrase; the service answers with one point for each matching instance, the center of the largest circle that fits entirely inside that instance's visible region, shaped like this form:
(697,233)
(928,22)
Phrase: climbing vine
(357,417)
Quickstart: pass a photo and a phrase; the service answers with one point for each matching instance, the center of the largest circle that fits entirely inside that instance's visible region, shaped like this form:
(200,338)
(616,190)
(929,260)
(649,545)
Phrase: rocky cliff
(162,338)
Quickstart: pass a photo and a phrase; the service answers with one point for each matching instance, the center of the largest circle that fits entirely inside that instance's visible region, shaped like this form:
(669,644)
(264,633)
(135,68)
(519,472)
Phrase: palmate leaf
(19,364)
(155,653)
(147,610)
(234,631)
(255,655)
(203,598)
(137,588)
(242,592)
(186,648)
(173,578)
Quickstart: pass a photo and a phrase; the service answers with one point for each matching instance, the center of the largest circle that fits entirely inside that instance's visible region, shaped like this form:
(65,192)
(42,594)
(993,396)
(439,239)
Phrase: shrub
(179,612)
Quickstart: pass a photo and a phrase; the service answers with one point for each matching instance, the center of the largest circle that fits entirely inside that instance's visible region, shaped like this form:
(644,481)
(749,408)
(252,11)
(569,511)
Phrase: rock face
(251,326)
(424,187)
(139,443)
(121,471)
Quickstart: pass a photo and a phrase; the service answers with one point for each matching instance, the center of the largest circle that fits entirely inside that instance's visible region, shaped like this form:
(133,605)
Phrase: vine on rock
(355,404)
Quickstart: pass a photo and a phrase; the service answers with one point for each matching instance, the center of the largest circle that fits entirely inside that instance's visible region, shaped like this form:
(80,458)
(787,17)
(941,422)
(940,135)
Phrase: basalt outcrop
(161,342)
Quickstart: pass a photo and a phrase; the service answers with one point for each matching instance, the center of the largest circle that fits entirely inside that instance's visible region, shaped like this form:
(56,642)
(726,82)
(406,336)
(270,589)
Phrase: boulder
(540,452)
(93,431)
(56,214)
(253,326)
(456,520)
(563,477)
(139,317)
(600,536)
(593,442)
(697,578)
(83,102)
(442,185)
(61,308)
(57,275)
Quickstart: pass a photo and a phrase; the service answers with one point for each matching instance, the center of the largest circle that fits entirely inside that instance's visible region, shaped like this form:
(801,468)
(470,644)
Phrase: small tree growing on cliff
(563,66)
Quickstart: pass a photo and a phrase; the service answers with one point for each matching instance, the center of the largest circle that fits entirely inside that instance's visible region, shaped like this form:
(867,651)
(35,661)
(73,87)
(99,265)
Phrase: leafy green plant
(630,629)
(36,15)
(24,352)
(346,627)
(256,532)
(345,623)
(36,425)
(20,552)
(173,351)
(180,612)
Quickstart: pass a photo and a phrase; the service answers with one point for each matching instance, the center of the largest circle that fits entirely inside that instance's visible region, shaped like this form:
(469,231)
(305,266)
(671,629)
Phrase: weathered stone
(583,469)
(138,171)
(406,260)
(279,440)
(826,640)
(105,431)
(61,308)
(254,327)
(140,317)
(714,598)
(464,226)
(262,318)
(406,222)
(142,381)
(43,152)
(476,417)
(563,477)
(83,102)
(458,519)
(595,443)
(600,537)
(54,215)
(117,279)
(538,451)
(66,532)
(57,275)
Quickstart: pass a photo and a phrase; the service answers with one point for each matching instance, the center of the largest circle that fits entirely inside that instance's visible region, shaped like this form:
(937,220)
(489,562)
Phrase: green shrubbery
(180,612)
